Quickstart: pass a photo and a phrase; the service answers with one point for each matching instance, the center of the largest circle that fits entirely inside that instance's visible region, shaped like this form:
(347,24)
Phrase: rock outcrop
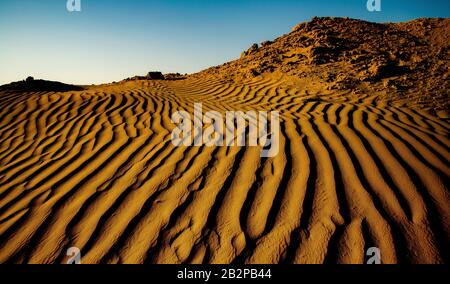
(405,60)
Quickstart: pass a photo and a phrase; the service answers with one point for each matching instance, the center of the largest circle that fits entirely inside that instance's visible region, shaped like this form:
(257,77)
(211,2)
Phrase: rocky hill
(402,60)
(32,85)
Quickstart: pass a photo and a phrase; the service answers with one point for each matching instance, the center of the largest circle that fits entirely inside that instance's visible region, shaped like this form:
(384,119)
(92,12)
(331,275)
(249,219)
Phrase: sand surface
(96,169)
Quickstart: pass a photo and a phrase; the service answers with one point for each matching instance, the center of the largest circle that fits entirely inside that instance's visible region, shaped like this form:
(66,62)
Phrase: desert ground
(364,157)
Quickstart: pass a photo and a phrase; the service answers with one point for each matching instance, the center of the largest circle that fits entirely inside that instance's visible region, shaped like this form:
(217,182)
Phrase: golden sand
(95,169)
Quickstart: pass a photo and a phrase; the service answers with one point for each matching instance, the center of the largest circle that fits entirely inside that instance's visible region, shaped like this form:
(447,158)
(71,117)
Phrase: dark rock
(32,85)
(251,50)
(155,75)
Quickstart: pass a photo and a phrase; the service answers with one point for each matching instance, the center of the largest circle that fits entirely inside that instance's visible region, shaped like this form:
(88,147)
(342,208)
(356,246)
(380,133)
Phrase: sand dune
(360,164)
(95,169)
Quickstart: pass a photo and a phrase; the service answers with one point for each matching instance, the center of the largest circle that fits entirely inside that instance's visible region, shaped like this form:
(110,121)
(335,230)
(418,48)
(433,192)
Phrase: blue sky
(111,40)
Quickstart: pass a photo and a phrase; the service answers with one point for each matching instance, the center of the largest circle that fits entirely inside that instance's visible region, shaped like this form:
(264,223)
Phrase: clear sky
(110,40)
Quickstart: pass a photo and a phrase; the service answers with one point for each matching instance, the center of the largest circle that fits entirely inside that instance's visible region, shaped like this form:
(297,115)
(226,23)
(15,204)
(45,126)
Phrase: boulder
(155,75)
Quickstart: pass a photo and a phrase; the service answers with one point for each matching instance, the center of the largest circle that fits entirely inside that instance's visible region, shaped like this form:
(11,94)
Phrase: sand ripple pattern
(95,169)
